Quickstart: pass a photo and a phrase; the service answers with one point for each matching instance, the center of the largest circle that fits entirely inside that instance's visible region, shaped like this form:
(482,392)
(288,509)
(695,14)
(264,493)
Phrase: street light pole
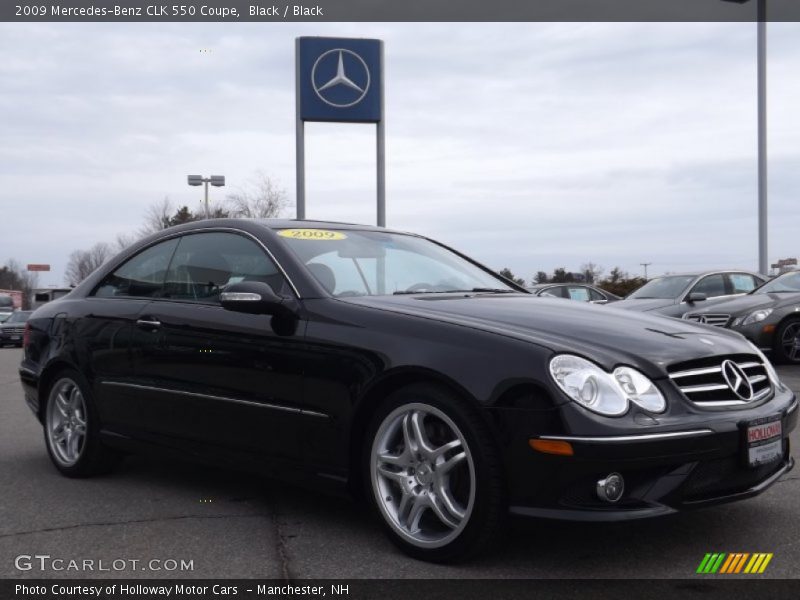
(645,265)
(215,180)
(761,94)
(762,137)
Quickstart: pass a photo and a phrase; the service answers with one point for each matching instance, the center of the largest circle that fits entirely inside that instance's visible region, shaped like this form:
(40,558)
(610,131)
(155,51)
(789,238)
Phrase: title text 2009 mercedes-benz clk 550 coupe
(390,365)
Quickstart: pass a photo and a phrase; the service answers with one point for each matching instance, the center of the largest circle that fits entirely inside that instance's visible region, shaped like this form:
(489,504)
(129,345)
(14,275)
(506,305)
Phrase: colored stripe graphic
(722,563)
(764,564)
(716,565)
(741,562)
(727,564)
(703,563)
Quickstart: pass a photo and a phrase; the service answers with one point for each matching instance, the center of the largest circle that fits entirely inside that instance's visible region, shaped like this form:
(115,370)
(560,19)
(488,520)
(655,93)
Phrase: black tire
(484,511)
(93,458)
(783,352)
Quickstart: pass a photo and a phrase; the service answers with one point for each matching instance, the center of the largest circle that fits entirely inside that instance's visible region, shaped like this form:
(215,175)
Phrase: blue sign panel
(340,79)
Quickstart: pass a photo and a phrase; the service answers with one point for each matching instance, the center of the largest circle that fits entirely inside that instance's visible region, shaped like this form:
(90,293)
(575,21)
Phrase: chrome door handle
(148,323)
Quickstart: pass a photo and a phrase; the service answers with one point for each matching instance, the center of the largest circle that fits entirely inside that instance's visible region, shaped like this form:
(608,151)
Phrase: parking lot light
(215,180)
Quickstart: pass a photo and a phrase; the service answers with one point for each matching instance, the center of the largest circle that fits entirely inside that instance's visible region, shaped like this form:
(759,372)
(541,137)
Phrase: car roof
(702,273)
(290,223)
(538,286)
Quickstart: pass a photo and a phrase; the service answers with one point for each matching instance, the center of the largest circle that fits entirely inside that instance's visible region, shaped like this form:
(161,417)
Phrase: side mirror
(696,297)
(255,298)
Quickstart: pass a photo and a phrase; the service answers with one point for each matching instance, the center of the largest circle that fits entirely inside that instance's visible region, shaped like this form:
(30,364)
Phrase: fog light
(610,489)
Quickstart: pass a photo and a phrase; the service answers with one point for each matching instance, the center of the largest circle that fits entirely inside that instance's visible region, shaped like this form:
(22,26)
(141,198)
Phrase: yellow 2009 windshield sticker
(312,234)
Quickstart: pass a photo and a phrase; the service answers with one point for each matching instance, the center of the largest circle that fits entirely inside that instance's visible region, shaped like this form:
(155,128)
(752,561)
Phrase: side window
(205,263)
(711,286)
(141,276)
(741,283)
(579,293)
(596,296)
(558,291)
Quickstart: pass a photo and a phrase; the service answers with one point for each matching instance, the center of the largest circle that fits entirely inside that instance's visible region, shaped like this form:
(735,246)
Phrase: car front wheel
(787,342)
(434,475)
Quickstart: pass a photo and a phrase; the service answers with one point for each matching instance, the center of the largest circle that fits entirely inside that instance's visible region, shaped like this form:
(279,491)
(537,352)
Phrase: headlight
(756,316)
(640,389)
(771,372)
(604,393)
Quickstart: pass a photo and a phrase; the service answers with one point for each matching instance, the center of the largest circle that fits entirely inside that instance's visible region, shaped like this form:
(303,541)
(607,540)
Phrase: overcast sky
(529,146)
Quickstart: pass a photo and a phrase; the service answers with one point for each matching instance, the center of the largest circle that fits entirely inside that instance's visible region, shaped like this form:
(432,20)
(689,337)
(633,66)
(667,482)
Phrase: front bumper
(756,334)
(10,338)
(664,471)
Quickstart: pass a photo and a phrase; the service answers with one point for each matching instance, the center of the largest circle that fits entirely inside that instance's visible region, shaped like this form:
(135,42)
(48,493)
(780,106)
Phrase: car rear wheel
(787,342)
(71,429)
(433,475)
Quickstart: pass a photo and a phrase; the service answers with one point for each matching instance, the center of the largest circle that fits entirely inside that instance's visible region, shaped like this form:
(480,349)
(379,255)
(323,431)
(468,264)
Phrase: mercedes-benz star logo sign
(340,78)
(737,380)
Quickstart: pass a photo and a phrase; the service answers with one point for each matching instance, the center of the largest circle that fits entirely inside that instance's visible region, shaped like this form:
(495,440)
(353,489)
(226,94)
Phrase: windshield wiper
(474,290)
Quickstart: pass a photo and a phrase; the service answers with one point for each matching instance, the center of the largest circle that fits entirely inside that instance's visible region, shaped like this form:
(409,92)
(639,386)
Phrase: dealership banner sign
(340,79)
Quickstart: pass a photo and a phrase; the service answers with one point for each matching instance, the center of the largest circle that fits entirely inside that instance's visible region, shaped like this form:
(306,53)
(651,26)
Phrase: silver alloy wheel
(791,341)
(66,422)
(423,475)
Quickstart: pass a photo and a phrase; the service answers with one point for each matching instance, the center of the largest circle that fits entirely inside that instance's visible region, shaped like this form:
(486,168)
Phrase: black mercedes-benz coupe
(387,364)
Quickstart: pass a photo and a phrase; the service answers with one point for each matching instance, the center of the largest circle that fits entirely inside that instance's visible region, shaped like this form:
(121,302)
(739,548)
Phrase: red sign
(38,267)
(763,432)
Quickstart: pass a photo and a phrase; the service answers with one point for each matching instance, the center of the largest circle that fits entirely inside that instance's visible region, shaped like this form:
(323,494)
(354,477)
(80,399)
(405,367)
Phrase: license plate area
(763,441)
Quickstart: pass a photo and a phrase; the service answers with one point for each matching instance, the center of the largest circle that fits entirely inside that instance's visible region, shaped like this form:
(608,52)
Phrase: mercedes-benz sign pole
(340,80)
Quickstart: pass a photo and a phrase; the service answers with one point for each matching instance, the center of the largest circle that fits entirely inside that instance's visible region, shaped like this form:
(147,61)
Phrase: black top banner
(398,10)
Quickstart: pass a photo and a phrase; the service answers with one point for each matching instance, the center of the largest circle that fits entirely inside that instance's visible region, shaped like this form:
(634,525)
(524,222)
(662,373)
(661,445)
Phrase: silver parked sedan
(674,295)
(769,317)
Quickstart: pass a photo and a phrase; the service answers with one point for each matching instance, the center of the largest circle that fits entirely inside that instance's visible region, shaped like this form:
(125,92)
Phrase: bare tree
(123,240)
(83,262)
(260,199)
(157,217)
(592,272)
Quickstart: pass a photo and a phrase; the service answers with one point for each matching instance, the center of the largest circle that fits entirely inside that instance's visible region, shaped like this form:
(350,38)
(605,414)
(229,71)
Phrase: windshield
(788,283)
(19,317)
(663,287)
(376,263)
(4,316)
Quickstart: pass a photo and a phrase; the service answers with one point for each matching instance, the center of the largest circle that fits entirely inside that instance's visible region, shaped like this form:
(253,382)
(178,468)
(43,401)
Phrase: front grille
(710,382)
(13,330)
(717,320)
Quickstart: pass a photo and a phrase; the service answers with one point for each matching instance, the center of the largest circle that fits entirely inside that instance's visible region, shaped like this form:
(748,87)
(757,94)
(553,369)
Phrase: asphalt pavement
(232,525)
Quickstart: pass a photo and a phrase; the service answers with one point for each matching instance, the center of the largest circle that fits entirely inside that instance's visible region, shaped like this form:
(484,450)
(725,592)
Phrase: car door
(212,378)
(102,333)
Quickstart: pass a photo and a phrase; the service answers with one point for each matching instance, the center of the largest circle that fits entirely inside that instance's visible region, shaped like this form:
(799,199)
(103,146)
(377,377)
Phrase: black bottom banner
(389,589)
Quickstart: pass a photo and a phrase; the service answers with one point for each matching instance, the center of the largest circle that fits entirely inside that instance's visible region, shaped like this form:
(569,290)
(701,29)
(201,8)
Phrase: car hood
(644,304)
(748,303)
(604,334)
